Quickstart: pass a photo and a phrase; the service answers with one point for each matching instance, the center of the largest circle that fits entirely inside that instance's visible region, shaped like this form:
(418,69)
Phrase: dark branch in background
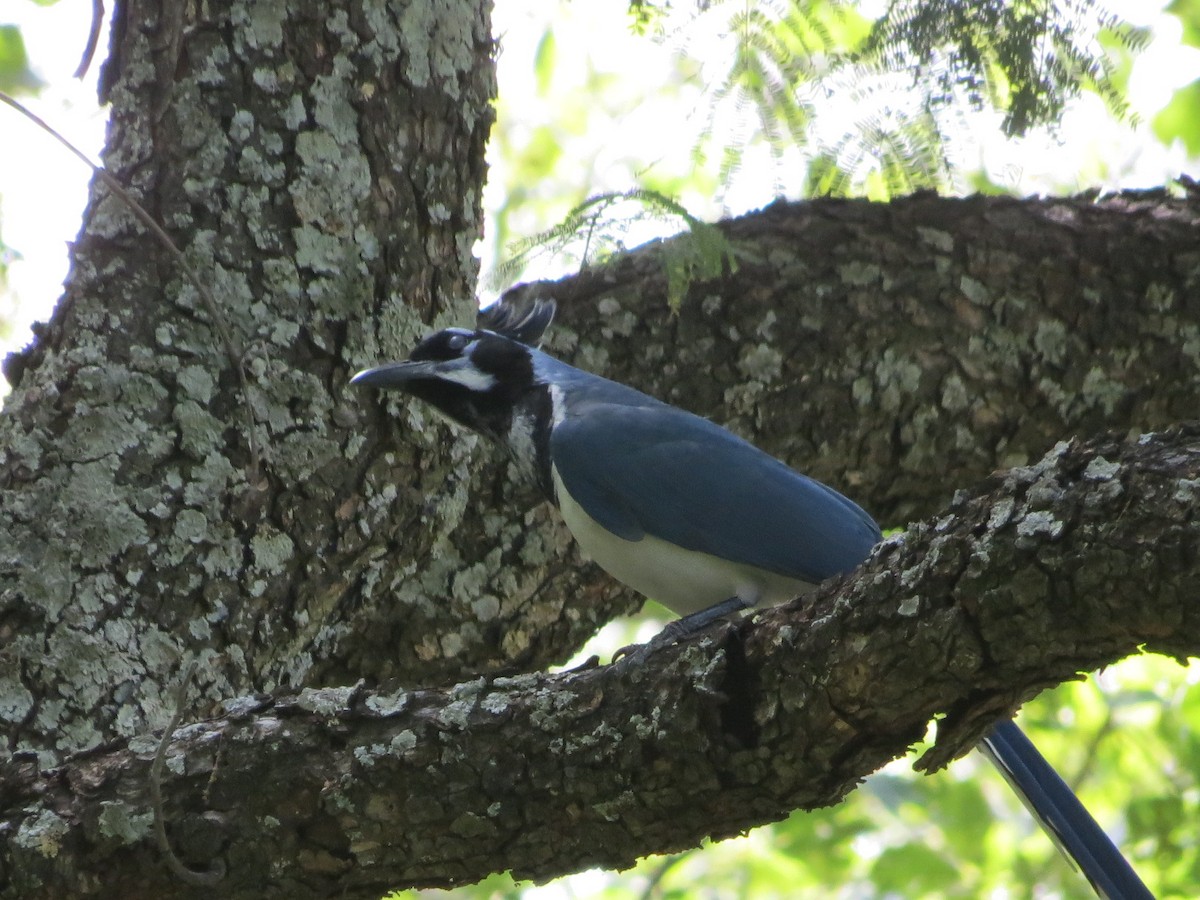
(1036,575)
(89,50)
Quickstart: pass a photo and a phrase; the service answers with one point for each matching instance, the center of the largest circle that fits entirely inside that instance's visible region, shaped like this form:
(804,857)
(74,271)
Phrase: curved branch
(1040,573)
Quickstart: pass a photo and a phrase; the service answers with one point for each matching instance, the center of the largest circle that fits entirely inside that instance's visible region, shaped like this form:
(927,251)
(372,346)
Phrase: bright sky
(43,189)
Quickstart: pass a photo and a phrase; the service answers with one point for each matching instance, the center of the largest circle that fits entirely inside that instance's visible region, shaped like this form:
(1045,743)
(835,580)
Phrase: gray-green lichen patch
(955,398)
(16,702)
(760,362)
(43,833)
(199,430)
(466,585)
(303,453)
(157,648)
(1187,491)
(896,378)
(272,550)
(24,450)
(456,714)
(1101,390)
(1038,524)
(1050,341)
(942,241)
(49,579)
(438,45)
(98,522)
(975,291)
(209,480)
(97,433)
(196,382)
(614,810)
(1101,469)
(486,608)
(327,701)
(387,704)
(618,322)
(403,743)
(909,606)
(191,526)
(1001,513)
(1160,297)
(214,68)
(859,274)
(262,23)
(333,178)
(366,755)
(119,821)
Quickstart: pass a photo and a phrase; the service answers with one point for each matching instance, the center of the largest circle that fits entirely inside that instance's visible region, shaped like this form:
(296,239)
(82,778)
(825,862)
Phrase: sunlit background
(586,106)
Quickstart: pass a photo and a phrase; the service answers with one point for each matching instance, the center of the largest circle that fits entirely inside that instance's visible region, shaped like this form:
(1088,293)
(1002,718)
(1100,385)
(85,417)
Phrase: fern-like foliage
(1026,58)
(898,86)
(594,230)
(846,105)
(781,51)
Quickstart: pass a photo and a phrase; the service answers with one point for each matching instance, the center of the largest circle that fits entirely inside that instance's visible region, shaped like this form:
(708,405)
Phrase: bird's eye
(457,342)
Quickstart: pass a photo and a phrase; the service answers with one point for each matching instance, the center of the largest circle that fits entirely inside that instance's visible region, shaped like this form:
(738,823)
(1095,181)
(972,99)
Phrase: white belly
(684,581)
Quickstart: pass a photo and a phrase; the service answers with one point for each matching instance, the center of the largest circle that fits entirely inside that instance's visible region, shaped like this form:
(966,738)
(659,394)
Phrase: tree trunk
(185,480)
(188,482)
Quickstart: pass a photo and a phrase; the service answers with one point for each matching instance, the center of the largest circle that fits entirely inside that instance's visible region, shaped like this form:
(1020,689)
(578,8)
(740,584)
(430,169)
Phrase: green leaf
(15,75)
(1188,13)
(1181,118)
(913,870)
(545,58)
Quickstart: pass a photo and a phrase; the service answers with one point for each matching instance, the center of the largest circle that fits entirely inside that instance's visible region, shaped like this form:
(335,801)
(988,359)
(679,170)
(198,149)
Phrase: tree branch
(903,350)
(1040,573)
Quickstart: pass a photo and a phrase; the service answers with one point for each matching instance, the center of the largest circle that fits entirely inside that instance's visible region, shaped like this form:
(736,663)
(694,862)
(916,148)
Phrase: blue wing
(645,467)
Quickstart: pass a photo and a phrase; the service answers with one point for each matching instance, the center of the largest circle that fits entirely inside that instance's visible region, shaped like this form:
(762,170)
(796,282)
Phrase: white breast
(684,581)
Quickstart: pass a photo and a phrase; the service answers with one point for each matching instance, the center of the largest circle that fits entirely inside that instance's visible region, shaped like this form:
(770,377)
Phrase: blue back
(639,466)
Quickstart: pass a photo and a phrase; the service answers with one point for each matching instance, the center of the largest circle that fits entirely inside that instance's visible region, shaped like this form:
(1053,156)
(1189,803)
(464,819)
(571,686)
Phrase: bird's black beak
(396,374)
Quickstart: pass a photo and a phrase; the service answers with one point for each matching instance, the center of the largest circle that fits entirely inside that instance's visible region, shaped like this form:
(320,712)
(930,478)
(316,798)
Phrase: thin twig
(174,863)
(660,872)
(89,51)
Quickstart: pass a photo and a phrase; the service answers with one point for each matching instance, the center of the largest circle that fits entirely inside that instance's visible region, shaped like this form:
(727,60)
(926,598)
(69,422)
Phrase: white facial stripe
(461,371)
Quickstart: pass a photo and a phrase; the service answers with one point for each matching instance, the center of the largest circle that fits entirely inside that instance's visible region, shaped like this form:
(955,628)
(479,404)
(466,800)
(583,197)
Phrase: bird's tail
(1059,811)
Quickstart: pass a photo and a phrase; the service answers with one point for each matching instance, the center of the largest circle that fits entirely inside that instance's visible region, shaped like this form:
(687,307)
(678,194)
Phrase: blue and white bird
(683,511)
(670,504)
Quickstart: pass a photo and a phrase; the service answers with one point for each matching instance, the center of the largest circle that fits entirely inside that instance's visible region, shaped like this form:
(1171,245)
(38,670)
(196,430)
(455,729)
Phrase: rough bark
(904,350)
(1037,574)
(321,168)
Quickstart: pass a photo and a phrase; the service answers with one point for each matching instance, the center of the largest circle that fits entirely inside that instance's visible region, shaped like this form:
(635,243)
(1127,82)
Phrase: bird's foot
(686,626)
